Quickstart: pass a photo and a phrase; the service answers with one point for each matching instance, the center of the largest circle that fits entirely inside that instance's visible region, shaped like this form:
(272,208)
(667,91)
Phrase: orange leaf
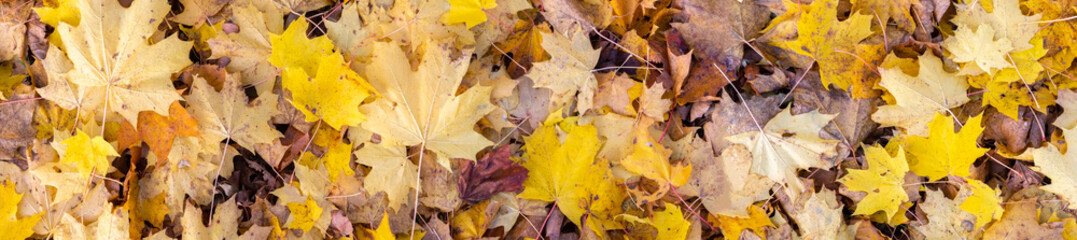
(158,131)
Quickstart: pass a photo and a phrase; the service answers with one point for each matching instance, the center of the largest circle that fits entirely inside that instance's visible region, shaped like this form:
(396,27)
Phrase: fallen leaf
(883,180)
(137,76)
(228,114)
(983,202)
(493,173)
(945,219)
(919,98)
(1020,222)
(10,222)
(756,222)
(322,85)
(568,174)
(196,12)
(1057,165)
(469,12)
(832,43)
(568,71)
(788,143)
(159,131)
(66,11)
(945,152)
(718,29)
(303,215)
(88,155)
(721,184)
(821,217)
(421,108)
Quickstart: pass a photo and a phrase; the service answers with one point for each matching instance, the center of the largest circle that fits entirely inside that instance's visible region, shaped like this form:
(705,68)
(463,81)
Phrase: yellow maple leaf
(978,47)
(472,223)
(1005,90)
(836,47)
(1059,167)
(756,221)
(333,94)
(882,181)
(223,225)
(59,11)
(1057,35)
(304,215)
(945,152)
(292,49)
(1009,97)
(229,115)
(337,159)
(568,70)
(114,67)
(12,226)
(8,80)
(1005,18)
(670,223)
(249,48)
(984,202)
(391,171)
(469,12)
(422,107)
(383,232)
(568,174)
(651,160)
(919,98)
(88,155)
(321,83)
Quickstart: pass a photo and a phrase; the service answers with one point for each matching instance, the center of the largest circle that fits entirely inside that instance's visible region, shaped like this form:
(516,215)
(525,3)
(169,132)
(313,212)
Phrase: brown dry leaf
(718,29)
(439,186)
(197,12)
(1019,221)
(732,118)
(531,104)
(524,48)
(721,184)
(567,15)
(616,92)
(13,28)
(886,10)
(1013,135)
(18,117)
(853,122)
(821,217)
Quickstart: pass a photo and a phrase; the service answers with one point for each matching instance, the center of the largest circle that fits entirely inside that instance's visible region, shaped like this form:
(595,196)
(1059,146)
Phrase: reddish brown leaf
(494,173)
